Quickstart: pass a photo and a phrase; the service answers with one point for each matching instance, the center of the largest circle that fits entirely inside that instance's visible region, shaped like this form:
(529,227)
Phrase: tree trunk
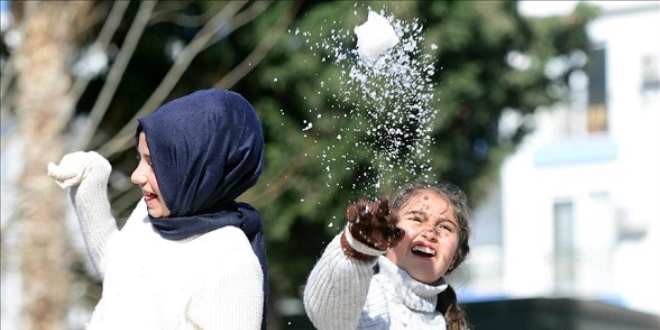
(42,104)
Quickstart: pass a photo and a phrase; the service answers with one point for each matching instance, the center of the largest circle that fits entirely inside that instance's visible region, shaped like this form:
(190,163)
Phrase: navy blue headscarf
(207,148)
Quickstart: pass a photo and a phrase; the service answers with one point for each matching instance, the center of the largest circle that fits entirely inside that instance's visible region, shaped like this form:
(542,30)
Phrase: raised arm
(86,176)
(336,290)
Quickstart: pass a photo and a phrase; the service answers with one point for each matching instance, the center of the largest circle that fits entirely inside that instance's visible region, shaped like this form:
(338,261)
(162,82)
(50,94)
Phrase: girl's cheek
(451,245)
(410,232)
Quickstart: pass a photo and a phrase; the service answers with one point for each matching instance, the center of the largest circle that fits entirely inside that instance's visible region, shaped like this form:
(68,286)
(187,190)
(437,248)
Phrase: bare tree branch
(285,177)
(191,21)
(125,199)
(259,52)
(196,45)
(102,41)
(241,19)
(114,76)
(170,15)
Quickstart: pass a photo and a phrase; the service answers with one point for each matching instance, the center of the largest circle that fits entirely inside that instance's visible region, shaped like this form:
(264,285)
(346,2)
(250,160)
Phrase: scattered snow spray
(386,80)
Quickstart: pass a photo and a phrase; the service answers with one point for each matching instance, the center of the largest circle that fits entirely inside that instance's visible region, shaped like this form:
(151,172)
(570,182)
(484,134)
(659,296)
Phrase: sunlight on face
(145,177)
(430,243)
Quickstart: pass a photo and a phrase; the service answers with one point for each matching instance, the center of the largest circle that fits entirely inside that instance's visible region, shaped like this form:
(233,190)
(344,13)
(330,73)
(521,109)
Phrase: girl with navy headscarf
(190,256)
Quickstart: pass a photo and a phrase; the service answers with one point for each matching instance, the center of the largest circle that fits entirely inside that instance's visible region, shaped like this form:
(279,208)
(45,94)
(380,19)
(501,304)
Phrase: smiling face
(145,177)
(431,238)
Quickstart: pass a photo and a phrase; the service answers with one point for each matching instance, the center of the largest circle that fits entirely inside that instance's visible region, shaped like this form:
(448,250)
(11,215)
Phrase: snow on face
(375,37)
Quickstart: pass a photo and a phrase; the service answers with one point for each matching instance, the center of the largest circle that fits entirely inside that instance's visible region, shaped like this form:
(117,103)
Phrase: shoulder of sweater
(228,232)
(229,238)
(231,246)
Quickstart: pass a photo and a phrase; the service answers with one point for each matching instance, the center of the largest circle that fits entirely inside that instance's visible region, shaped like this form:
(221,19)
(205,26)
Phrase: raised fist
(78,166)
(371,229)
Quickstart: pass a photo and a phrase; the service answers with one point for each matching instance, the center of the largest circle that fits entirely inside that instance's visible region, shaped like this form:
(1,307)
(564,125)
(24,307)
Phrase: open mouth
(149,197)
(423,251)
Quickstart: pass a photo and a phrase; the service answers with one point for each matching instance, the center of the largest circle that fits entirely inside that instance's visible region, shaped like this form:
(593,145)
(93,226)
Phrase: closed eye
(445,227)
(415,216)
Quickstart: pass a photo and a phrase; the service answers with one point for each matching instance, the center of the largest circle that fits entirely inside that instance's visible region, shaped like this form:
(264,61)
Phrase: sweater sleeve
(230,295)
(336,290)
(96,221)
(87,174)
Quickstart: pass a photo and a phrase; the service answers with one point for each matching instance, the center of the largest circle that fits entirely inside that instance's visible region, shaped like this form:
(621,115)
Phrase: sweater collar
(412,293)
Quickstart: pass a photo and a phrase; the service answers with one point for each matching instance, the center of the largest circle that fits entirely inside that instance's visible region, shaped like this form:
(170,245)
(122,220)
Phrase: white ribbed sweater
(344,294)
(212,281)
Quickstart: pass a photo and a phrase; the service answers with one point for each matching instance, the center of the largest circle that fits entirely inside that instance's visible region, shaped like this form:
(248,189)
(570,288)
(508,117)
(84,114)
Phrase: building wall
(580,200)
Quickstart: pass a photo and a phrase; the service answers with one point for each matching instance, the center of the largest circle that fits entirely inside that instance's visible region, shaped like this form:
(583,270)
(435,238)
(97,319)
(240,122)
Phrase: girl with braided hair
(386,269)
(189,256)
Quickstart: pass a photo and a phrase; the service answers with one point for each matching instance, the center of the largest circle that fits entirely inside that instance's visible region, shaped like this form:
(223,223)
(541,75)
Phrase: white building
(578,210)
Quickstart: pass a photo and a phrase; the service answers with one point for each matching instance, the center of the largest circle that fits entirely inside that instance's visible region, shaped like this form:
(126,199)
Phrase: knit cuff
(357,250)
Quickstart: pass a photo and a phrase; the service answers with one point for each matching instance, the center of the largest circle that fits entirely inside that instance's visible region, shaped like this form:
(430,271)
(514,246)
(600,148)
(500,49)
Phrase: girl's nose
(138,178)
(431,233)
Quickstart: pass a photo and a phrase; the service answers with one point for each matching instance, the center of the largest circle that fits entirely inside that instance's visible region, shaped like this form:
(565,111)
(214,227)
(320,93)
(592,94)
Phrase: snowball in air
(375,37)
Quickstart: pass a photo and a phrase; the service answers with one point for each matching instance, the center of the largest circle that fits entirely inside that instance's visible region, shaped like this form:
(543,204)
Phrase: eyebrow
(415,212)
(453,223)
(426,216)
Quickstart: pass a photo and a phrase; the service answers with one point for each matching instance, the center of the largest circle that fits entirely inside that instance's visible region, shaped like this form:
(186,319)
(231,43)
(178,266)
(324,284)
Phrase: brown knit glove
(371,230)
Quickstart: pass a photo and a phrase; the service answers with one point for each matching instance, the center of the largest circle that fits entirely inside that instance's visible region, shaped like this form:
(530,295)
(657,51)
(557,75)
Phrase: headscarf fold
(207,148)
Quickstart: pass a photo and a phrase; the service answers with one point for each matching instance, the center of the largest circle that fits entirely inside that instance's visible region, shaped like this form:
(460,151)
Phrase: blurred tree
(489,61)
(80,75)
(42,103)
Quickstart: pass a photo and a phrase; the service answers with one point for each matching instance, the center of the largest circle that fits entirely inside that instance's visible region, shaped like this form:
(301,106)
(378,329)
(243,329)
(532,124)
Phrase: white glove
(77,166)
(87,174)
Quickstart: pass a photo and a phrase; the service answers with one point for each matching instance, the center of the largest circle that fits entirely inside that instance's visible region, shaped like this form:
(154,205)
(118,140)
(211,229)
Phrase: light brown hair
(455,316)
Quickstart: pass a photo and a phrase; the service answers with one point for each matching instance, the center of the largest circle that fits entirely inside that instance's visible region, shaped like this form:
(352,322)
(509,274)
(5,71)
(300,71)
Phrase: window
(563,247)
(597,98)
(587,113)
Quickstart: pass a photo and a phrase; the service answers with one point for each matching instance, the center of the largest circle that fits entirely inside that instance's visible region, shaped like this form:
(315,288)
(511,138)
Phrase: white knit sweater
(344,294)
(211,281)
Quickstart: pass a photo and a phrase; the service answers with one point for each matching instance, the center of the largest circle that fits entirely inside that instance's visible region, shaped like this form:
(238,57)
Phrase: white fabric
(344,294)
(212,281)
(359,246)
(87,174)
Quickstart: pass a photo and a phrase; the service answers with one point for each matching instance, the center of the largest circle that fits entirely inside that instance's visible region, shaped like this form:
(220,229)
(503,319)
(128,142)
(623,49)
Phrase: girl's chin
(427,281)
(425,277)
(158,213)
(155,214)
